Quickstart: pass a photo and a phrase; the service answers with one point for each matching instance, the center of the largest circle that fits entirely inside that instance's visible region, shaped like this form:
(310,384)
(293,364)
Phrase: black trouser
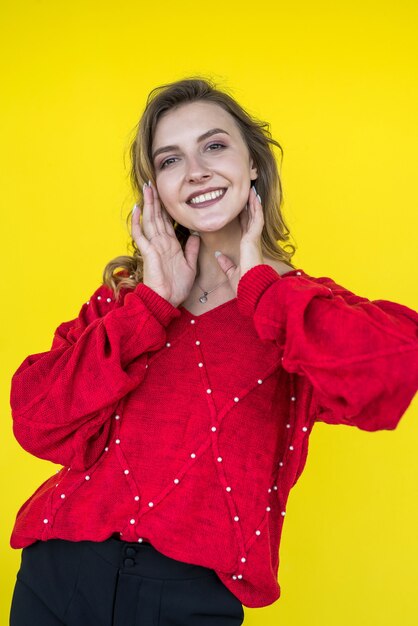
(116,583)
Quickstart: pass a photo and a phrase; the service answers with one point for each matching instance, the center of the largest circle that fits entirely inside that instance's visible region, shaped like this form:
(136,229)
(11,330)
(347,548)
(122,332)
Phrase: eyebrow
(208,133)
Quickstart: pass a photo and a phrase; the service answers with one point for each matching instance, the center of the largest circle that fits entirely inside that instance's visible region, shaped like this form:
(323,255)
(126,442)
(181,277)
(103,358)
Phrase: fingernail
(255,190)
(259,198)
(135,208)
(143,188)
(149,183)
(217,253)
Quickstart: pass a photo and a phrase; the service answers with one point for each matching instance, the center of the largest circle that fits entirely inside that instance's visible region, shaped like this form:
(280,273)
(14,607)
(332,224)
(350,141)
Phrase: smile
(207,198)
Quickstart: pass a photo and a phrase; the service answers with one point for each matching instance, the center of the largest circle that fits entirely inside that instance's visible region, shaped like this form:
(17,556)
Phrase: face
(193,163)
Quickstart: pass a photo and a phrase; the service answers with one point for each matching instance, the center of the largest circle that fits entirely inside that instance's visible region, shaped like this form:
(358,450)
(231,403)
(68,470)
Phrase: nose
(196,170)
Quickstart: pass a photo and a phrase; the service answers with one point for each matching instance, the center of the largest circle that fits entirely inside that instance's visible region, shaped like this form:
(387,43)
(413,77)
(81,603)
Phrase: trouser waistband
(144,559)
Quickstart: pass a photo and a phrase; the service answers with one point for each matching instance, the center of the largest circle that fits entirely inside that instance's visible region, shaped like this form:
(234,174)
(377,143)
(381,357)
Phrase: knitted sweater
(190,430)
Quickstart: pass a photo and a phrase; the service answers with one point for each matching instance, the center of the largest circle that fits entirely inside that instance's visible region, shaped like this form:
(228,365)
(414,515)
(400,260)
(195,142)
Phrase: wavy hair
(259,141)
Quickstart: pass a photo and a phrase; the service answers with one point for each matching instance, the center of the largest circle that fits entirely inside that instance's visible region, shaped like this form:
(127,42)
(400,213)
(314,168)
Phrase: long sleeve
(62,400)
(360,356)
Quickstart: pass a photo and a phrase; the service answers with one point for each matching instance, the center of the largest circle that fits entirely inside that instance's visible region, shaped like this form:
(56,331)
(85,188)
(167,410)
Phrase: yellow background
(338,83)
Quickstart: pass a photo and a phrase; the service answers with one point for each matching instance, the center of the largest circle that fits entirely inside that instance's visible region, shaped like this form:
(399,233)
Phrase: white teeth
(207,196)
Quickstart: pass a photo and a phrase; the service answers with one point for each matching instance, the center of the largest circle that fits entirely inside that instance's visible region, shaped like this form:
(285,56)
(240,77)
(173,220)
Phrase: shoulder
(280,266)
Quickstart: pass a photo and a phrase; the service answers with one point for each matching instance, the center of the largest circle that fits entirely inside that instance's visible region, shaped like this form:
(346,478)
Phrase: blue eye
(164,163)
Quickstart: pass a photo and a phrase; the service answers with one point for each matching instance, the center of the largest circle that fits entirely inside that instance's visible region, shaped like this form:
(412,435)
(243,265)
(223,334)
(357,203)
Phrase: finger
(136,230)
(258,212)
(244,218)
(163,220)
(149,226)
(226,264)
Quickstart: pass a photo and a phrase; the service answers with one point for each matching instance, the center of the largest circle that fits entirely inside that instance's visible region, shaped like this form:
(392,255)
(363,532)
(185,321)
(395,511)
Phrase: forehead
(190,120)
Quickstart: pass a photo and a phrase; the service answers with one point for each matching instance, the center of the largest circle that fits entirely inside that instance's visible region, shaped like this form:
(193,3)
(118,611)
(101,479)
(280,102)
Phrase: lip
(199,193)
(202,205)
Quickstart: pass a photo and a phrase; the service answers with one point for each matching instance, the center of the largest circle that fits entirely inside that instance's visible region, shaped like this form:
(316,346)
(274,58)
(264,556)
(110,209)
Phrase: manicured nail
(255,190)
(143,188)
(259,198)
(135,208)
(149,184)
(217,253)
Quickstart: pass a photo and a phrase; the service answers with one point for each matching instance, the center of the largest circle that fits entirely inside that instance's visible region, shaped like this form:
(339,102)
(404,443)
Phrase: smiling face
(195,158)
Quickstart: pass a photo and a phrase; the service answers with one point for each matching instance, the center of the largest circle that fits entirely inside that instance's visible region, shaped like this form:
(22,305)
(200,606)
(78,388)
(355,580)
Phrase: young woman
(181,399)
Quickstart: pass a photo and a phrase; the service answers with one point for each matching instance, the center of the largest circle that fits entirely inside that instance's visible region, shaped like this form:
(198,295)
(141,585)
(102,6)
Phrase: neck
(227,240)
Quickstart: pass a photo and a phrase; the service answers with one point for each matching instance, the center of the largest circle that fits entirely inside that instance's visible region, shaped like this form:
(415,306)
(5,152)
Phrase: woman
(181,399)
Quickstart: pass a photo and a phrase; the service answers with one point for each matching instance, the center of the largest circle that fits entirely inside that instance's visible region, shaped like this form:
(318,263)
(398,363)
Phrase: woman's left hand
(252,222)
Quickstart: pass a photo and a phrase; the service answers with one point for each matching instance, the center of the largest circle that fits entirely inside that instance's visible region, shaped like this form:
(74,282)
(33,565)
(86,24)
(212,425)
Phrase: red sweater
(190,430)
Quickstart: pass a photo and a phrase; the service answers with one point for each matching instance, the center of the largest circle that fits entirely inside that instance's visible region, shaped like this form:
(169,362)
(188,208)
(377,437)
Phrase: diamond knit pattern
(189,431)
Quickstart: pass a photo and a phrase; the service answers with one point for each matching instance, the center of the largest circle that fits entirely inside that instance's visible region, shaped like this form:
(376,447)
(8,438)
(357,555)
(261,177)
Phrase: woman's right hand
(167,270)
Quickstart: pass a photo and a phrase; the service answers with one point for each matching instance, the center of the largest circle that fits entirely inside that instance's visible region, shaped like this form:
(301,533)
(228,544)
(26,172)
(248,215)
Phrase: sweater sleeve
(62,400)
(360,356)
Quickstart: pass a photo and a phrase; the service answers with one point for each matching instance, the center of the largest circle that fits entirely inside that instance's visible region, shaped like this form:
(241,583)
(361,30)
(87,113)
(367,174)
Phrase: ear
(253,171)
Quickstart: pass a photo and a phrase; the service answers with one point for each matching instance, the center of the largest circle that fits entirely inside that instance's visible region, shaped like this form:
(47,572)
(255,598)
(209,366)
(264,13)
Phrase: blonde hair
(256,135)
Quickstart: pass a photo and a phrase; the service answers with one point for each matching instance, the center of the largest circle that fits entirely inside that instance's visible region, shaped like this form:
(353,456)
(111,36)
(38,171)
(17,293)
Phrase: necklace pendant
(203,298)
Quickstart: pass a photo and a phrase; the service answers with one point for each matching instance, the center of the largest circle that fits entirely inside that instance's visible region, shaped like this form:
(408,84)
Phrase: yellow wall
(337,82)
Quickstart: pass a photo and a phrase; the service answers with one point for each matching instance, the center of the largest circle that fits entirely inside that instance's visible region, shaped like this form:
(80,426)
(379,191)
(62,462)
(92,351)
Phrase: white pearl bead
(259,381)
(236,399)
(168,344)
(126,471)
(109,300)
(193,455)
(63,496)
(268,508)
(293,398)
(269,490)
(136,498)
(304,429)
(228,488)
(131,521)
(106,449)
(87,477)
(213,428)
(99,297)
(117,417)
(192,321)
(234,577)
(140,540)
(236,518)
(88,302)
(291,448)
(117,441)
(281,463)
(208,390)
(45,521)
(219,459)
(243,559)
(239,576)
(287,425)
(275,487)
(258,532)
(198,343)
(176,481)
(200,364)
(283,513)
(150,503)
(298,273)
